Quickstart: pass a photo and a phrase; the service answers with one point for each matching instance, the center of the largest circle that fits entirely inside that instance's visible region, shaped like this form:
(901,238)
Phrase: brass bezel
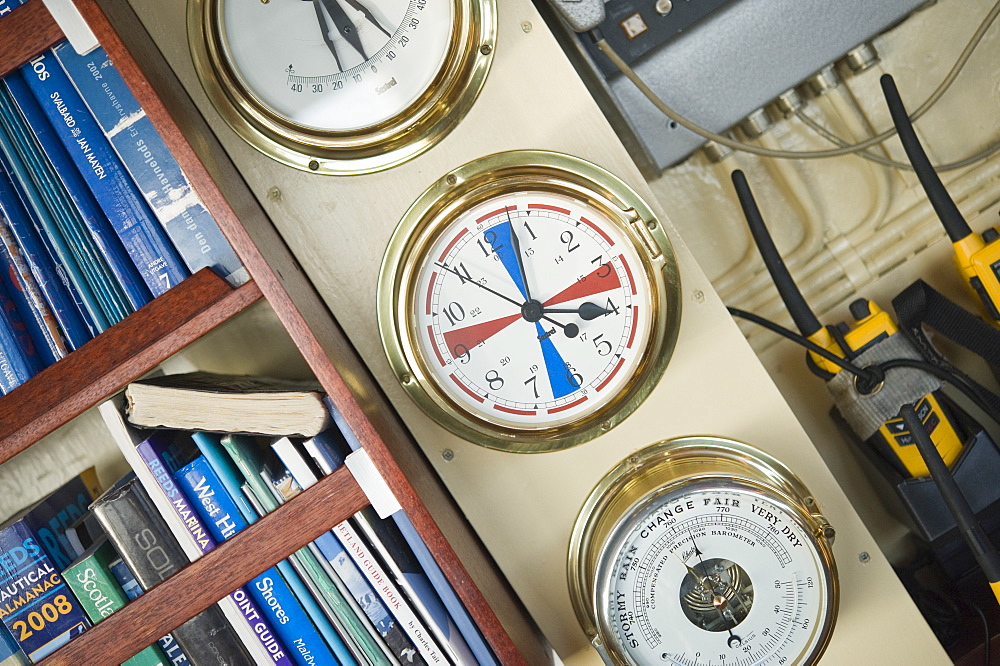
(628,490)
(475,182)
(386,144)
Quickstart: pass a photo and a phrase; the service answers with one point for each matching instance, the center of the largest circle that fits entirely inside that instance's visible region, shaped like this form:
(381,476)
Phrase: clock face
(529,310)
(342,86)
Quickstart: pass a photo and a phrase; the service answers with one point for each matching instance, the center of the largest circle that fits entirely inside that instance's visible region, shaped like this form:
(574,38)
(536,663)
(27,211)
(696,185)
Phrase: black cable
(868,375)
(968,525)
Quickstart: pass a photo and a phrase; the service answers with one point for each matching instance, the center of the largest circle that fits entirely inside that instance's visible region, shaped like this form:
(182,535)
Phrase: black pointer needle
(516,244)
(587,311)
(325,29)
(571,330)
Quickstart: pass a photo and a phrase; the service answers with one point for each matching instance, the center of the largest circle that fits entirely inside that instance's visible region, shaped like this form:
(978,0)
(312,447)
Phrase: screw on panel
(526,26)
(663,7)
(864,557)
(451,179)
(274,194)
(486,49)
(448,455)
(699,296)
(313,165)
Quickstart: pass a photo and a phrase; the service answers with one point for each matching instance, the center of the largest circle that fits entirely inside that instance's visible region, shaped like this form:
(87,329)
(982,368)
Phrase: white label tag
(71,21)
(372,483)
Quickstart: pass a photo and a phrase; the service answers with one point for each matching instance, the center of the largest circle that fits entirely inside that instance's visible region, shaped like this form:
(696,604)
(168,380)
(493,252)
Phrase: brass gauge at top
(342,86)
(529,301)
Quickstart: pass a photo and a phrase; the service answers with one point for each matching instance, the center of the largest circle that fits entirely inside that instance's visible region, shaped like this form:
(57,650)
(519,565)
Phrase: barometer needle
(325,30)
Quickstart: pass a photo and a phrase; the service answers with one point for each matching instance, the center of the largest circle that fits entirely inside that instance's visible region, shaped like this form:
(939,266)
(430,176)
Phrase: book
(28,297)
(19,359)
(100,595)
(118,277)
(329,450)
(66,253)
(144,239)
(38,151)
(136,529)
(167,190)
(298,568)
(36,604)
(226,404)
(372,601)
(152,462)
(50,275)
(373,644)
(123,576)
(223,518)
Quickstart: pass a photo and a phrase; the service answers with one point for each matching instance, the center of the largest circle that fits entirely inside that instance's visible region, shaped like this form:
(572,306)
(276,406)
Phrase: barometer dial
(703,551)
(526,303)
(342,86)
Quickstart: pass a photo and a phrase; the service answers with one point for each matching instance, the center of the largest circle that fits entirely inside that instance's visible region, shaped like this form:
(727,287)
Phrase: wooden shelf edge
(214,575)
(124,352)
(25,32)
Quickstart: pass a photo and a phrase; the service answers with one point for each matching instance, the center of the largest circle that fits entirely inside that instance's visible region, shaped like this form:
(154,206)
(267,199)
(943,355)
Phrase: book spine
(146,243)
(53,282)
(133,590)
(90,220)
(11,653)
(223,519)
(331,446)
(36,605)
(100,595)
(20,278)
(136,530)
(66,253)
(151,453)
(19,360)
(166,188)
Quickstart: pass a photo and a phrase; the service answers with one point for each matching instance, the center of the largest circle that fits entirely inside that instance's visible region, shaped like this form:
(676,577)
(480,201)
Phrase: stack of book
(367,592)
(96,216)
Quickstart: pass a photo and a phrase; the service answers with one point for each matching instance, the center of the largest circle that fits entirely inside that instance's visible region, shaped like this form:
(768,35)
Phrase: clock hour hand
(586,310)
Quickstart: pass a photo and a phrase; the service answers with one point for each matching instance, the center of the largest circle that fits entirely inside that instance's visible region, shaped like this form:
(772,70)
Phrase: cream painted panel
(523,507)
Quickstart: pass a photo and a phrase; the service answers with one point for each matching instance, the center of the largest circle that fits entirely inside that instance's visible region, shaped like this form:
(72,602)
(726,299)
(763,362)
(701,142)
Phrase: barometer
(528,301)
(342,86)
(703,551)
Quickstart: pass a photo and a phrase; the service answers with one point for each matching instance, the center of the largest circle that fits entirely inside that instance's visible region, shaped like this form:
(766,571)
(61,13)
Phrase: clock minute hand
(516,244)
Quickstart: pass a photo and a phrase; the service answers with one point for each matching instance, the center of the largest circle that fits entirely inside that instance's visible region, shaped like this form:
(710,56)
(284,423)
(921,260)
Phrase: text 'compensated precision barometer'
(528,301)
(703,551)
(342,86)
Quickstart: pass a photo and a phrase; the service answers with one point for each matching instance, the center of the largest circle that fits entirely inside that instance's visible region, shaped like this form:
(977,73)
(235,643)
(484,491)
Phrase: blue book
(67,252)
(132,590)
(43,176)
(36,604)
(223,518)
(82,208)
(19,360)
(143,237)
(161,453)
(41,259)
(331,448)
(31,303)
(146,157)
(233,474)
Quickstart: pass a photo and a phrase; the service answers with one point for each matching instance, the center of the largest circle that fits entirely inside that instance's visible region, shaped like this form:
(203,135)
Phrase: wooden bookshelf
(182,315)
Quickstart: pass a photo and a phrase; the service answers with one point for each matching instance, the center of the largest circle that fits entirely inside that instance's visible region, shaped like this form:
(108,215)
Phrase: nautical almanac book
(151,552)
(146,157)
(36,605)
(144,238)
(220,515)
(100,594)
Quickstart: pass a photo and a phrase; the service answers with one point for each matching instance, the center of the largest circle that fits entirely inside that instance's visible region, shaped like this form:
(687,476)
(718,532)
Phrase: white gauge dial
(716,577)
(337,65)
(528,301)
(342,86)
(534,309)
